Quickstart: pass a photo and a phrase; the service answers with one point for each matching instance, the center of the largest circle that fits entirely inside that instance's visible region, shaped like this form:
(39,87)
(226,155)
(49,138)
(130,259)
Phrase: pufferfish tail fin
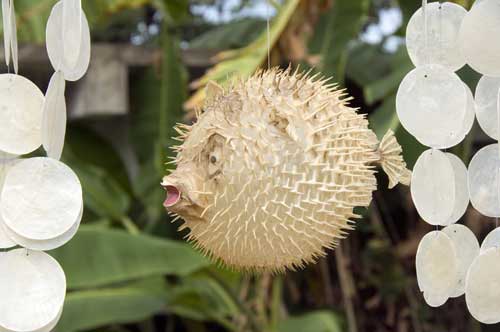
(392,162)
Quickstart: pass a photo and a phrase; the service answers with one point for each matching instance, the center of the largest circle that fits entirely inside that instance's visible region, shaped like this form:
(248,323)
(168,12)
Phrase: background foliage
(129,270)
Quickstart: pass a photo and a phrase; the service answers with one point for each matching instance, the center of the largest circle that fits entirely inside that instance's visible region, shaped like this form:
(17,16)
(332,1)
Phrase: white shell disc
(5,240)
(21,104)
(443,25)
(44,245)
(41,198)
(5,164)
(486,105)
(435,300)
(48,328)
(461,188)
(482,289)
(55,45)
(467,249)
(431,104)
(479,37)
(54,117)
(433,187)
(72,31)
(32,291)
(492,240)
(483,178)
(436,265)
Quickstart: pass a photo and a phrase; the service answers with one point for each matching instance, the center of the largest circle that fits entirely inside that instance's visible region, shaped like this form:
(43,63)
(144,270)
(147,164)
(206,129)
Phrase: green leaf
(156,107)
(319,321)
(89,309)
(243,62)
(230,35)
(341,25)
(385,117)
(101,193)
(201,298)
(384,87)
(84,145)
(98,257)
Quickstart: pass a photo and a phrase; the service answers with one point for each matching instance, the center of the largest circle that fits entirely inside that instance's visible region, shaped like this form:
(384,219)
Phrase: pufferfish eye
(213,159)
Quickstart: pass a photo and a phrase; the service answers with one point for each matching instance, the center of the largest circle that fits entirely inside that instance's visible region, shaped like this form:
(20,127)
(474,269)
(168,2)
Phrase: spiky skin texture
(271,171)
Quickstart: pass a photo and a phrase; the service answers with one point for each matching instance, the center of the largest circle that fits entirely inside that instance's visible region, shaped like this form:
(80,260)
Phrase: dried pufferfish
(268,176)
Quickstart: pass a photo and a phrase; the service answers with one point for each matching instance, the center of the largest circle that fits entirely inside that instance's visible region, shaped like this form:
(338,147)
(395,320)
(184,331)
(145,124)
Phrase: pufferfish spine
(269,175)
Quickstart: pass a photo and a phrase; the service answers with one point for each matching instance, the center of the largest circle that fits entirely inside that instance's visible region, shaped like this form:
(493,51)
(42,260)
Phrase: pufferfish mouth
(173,195)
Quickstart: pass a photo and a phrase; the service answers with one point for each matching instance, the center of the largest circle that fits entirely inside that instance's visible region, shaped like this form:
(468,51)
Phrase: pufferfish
(268,176)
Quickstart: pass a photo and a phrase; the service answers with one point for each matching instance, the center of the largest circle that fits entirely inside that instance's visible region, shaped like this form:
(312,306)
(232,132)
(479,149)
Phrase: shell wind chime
(270,173)
(436,107)
(41,202)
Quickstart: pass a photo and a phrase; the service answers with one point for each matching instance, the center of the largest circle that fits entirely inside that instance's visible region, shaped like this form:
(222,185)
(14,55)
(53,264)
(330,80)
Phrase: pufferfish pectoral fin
(392,162)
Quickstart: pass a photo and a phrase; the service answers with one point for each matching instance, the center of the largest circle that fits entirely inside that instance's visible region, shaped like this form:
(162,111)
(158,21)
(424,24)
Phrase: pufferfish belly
(269,175)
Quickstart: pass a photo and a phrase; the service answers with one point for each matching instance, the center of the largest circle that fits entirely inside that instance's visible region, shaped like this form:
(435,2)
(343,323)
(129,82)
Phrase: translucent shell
(44,245)
(482,291)
(483,178)
(435,300)
(431,104)
(486,105)
(54,117)
(21,104)
(479,37)
(436,266)
(467,249)
(461,188)
(41,199)
(32,291)
(433,187)
(72,31)
(55,45)
(492,240)
(5,164)
(441,45)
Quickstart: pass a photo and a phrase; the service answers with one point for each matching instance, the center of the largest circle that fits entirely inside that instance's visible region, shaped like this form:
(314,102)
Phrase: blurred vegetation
(129,270)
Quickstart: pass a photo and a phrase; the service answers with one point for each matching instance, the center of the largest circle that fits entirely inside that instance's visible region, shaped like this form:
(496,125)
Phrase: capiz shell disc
(72,31)
(55,48)
(461,188)
(436,264)
(486,105)
(431,104)
(433,187)
(6,163)
(492,240)
(467,248)
(483,179)
(435,300)
(54,117)
(479,37)
(44,245)
(482,289)
(21,104)
(41,198)
(441,45)
(32,289)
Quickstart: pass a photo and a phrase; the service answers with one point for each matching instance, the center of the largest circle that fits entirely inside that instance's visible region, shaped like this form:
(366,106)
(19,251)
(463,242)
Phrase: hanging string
(268,4)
